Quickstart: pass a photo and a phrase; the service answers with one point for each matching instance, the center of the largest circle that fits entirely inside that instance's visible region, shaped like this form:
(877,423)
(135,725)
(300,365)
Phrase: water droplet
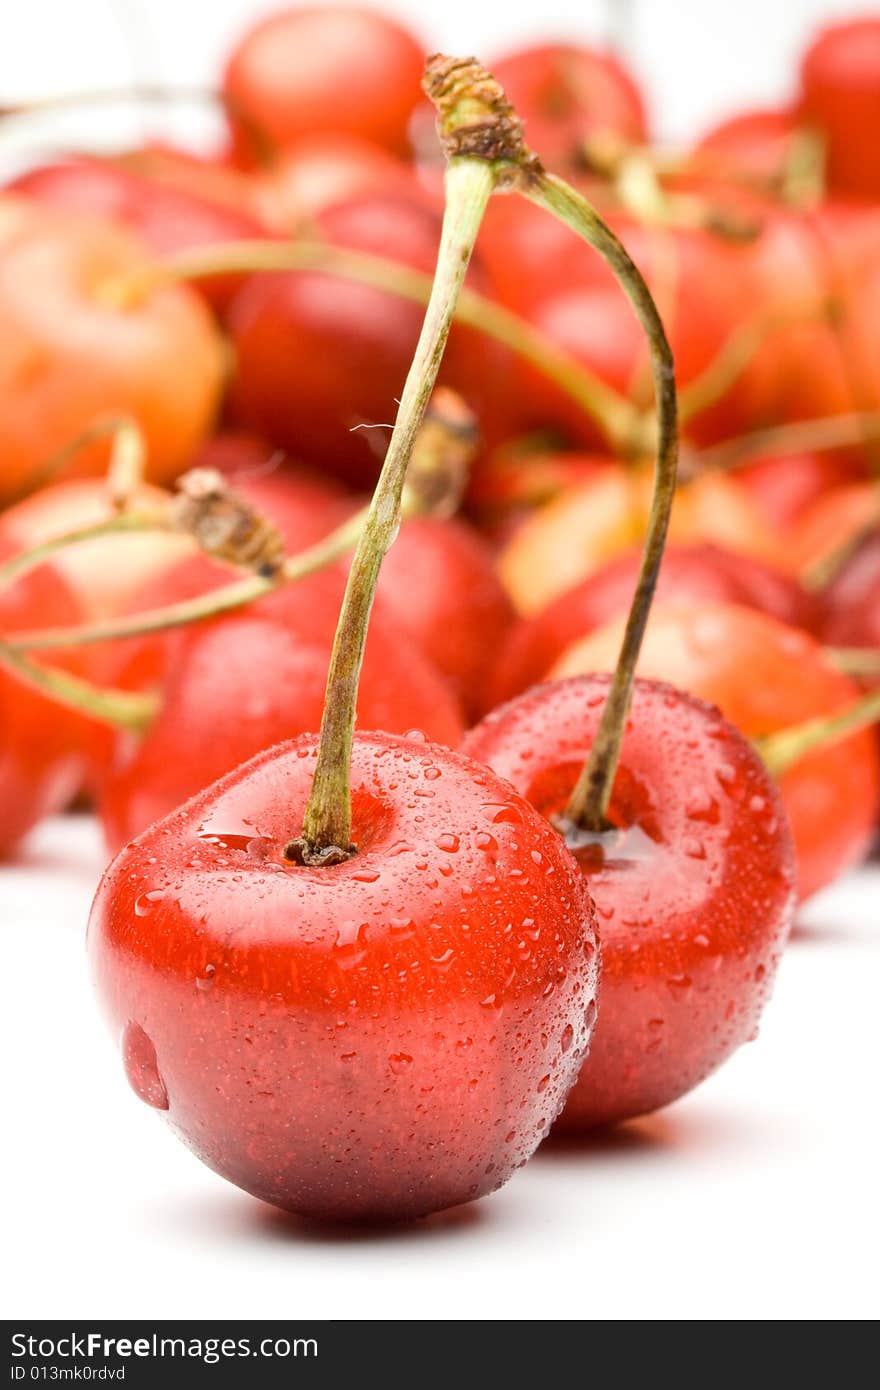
(400,1062)
(567,1038)
(144,904)
(486,842)
(448,843)
(142,1067)
(543,1083)
(206,979)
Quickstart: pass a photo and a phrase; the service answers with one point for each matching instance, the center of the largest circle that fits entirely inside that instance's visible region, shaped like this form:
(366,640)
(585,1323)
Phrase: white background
(756,1197)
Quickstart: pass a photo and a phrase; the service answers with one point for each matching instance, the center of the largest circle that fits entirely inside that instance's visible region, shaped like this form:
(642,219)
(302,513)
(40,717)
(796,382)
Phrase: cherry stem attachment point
(588,807)
(326,831)
(780,751)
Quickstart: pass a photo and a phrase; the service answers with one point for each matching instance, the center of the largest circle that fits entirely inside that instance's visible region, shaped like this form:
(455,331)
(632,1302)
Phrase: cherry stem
(27,560)
(782,750)
(121,709)
(621,422)
(731,361)
(855,661)
(326,832)
(813,436)
(125,471)
(588,807)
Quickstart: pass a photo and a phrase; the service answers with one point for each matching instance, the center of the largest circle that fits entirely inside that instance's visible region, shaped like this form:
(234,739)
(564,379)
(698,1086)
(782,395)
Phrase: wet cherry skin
(764,676)
(694,893)
(371,1041)
(311,68)
(243,683)
(700,571)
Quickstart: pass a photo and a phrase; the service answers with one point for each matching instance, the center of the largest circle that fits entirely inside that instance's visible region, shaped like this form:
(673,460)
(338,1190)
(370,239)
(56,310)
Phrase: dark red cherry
(694,885)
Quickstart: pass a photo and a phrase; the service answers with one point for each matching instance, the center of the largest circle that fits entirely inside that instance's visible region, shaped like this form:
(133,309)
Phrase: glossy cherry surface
(765,676)
(252,681)
(369,1041)
(693,887)
(699,571)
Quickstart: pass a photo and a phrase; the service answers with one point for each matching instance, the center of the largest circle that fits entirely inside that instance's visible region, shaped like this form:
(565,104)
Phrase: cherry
(699,571)
(322,170)
(830,524)
(71,355)
(439,583)
(786,486)
(752,144)
(252,681)
(693,882)
(312,70)
(572,99)
(840,94)
(168,218)
(764,676)
(591,523)
(851,601)
(405,1050)
(321,360)
(40,743)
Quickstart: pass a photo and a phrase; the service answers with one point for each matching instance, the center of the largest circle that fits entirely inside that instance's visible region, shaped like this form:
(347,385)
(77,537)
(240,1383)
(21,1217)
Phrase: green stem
(619,420)
(589,802)
(782,750)
(121,709)
(855,661)
(326,832)
(221,600)
(27,560)
(810,436)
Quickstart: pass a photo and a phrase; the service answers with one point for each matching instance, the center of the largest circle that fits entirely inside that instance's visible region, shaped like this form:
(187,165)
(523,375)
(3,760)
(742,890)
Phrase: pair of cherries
(361,972)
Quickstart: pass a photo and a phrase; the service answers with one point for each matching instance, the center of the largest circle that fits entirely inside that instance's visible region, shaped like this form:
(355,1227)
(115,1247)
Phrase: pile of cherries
(395,1032)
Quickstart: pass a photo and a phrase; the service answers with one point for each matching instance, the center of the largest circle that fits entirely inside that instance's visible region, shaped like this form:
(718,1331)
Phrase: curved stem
(588,806)
(782,750)
(210,605)
(125,470)
(728,365)
(855,661)
(813,436)
(27,560)
(620,421)
(326,832)
(121,709)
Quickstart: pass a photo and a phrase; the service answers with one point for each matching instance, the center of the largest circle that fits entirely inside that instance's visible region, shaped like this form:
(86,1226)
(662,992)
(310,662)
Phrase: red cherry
(70,353)
(322,170)
(830,523)
(840,94)
(250,681)
(756,144)
(786,486)
(169,219)
(852,599)
(322,360)
(568,97)
(764,676)
(40,742)
(438,581)
(413,1017)
(693,887)
(699,571)
(312,69)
